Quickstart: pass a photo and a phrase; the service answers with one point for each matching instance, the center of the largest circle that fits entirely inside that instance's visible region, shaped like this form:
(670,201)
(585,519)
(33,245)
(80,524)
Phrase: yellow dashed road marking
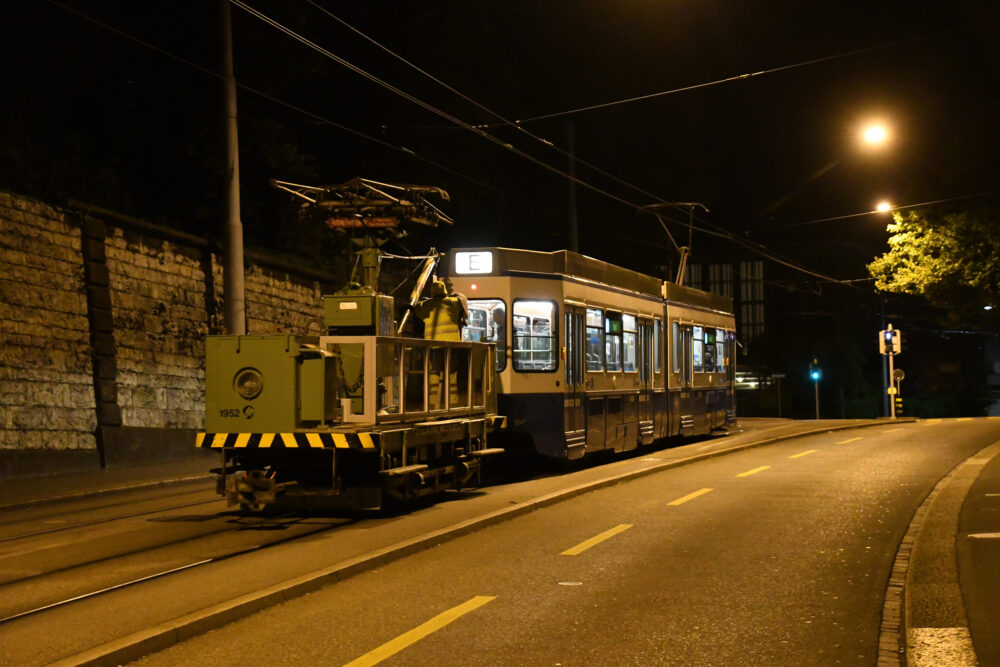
(595,540)
(753,472)
(690,496)
(805,453)
(411,637)
(844,442)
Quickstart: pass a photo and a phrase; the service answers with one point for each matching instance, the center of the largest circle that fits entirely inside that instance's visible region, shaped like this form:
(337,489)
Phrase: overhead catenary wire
(876,212)
(326,121)
(739,77)
(504,122)
(426,106)
(275,100)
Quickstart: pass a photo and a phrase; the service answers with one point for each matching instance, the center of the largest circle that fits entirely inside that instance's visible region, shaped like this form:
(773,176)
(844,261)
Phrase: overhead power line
(270,98)
(737,77)
(504,122)
(889,210)
(481,132)
(426,106)
(757,248)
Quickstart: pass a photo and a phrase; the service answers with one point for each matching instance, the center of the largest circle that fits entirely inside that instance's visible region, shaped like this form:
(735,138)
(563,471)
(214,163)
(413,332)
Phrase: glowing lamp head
(814,375)
(883,207)
(875,134)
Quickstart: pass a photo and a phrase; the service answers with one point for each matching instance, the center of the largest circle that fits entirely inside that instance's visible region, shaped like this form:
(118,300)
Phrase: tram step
(491,451)
(405,470)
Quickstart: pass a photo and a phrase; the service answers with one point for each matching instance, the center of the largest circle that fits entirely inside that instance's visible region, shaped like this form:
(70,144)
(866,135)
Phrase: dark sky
(764,153)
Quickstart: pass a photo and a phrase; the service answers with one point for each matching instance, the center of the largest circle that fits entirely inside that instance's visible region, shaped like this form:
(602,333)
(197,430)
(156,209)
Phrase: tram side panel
(702,349)
(581,366)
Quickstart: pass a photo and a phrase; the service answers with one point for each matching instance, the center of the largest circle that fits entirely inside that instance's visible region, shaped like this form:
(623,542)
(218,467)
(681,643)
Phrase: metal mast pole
(233,285)
(574,231)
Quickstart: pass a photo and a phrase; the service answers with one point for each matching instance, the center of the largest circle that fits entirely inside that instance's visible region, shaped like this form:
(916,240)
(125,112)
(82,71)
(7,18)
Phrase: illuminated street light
(883,207)
(875,134)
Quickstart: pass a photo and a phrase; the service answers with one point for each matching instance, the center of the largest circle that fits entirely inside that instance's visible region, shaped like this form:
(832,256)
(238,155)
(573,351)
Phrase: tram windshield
(487,323)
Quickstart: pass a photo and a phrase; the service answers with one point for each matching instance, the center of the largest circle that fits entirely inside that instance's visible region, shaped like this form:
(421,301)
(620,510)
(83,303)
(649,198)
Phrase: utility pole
(233,285)
(574,231)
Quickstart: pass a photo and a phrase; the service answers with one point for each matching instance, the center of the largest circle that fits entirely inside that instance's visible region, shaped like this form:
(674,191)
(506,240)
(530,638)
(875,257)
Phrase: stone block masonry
(103,320)
(46,365)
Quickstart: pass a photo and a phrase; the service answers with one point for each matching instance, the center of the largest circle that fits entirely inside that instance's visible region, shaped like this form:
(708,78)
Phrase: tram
(591,356)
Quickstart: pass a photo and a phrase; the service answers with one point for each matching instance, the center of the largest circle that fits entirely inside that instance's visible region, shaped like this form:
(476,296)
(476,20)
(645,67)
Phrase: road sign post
(815,373)
(890,343)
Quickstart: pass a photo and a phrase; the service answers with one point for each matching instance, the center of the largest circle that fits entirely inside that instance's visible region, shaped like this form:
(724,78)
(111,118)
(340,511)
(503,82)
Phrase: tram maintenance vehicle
(359,415)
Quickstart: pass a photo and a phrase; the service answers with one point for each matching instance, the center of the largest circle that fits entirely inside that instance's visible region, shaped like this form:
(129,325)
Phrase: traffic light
(890,341)
(814,371)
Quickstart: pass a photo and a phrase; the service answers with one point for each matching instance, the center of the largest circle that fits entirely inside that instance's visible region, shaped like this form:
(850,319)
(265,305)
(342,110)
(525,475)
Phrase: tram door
(574,419)
(645,368)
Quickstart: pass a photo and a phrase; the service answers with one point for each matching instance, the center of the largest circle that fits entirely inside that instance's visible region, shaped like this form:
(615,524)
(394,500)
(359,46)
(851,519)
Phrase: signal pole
(233,285)
(815,373)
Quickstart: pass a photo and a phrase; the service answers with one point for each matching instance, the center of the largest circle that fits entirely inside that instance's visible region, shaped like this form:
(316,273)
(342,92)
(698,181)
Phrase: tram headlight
(249,383)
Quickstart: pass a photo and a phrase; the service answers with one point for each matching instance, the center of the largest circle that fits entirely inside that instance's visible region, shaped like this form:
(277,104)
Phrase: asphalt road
(773,555)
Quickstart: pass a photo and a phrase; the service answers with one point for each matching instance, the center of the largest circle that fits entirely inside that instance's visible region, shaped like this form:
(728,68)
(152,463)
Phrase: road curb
(898,642)
(139,644)
(894,631)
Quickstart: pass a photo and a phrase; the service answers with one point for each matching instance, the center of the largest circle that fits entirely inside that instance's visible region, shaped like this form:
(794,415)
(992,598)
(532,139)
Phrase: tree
(949,258)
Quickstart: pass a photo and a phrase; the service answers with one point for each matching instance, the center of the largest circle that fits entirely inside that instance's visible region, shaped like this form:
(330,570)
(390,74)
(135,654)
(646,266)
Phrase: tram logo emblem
(248,412)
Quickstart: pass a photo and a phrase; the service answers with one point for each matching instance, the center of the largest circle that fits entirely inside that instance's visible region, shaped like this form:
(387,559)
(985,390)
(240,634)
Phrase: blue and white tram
(592,356)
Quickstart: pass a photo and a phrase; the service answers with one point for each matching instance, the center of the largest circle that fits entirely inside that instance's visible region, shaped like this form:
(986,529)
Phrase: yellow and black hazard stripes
(296,440)
(494,422)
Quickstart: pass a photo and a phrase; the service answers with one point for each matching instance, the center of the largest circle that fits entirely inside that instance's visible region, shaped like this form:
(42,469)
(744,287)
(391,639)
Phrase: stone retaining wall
(102,327)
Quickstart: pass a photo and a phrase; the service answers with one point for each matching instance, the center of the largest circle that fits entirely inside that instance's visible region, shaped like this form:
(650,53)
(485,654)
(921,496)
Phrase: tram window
(657,344)
(676,347)
(595,339)
(628,343)
(613,341)
(697,346)
(534,335)
(487,322)
(709,351)
(720,351)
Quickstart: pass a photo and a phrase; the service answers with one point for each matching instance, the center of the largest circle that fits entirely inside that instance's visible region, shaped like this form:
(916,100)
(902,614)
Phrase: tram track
(6,587)
(95,522)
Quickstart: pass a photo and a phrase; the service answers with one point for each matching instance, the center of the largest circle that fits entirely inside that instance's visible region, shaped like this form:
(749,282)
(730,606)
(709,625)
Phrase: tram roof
(507,261)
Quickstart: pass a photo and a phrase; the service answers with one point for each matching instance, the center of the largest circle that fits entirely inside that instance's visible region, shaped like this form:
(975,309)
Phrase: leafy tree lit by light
(946,258)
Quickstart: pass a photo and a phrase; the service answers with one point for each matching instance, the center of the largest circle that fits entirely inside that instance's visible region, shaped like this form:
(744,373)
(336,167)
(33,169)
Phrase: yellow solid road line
(801,454)
(690,496)
(753,472)
(844,442)
(597,539)
(406,639)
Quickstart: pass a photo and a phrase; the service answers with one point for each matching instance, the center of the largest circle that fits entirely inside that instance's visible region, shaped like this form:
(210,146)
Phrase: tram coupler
(254,489)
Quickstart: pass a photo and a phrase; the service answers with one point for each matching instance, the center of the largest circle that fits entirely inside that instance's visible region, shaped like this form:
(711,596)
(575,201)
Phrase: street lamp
(883,207)
(875,134)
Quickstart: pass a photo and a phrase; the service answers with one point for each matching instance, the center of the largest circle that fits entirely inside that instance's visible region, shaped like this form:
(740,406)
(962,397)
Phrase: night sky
(98,116)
